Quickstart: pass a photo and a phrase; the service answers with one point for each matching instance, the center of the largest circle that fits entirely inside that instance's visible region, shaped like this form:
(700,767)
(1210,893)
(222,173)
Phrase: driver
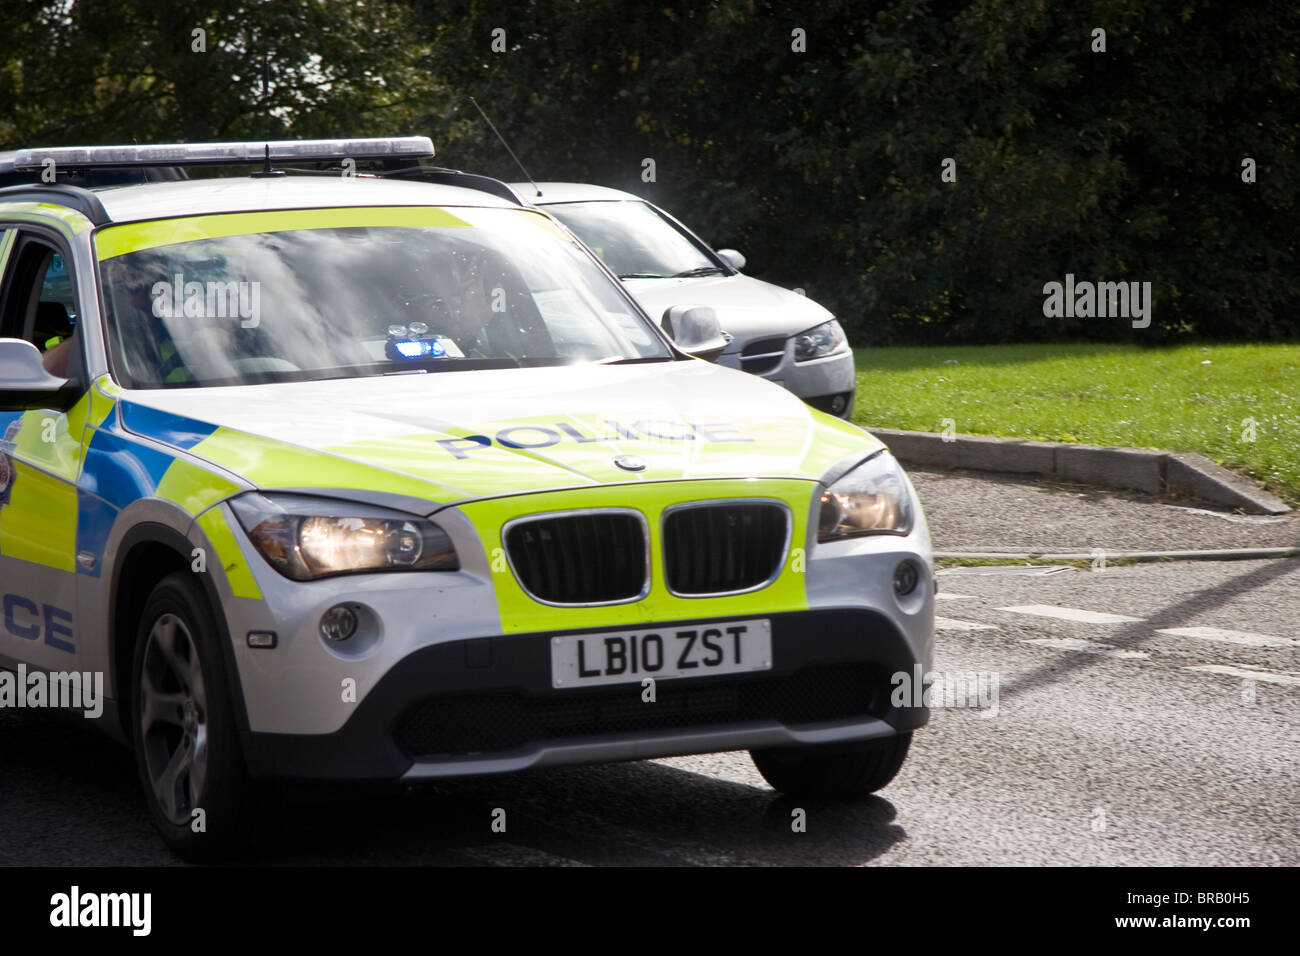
(138,325)
(55,359)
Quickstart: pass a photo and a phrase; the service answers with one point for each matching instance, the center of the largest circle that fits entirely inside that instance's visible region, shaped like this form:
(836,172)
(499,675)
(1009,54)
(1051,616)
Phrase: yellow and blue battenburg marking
(117,472)
(104,459)
(120,469)
(165,427)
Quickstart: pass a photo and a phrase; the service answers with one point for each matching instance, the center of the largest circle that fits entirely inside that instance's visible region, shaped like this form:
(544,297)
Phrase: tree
(152,70)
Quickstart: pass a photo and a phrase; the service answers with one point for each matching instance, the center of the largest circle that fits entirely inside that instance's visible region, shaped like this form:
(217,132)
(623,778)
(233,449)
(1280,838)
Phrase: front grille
(762,355)
(501,721)
(588,558)
(713,549)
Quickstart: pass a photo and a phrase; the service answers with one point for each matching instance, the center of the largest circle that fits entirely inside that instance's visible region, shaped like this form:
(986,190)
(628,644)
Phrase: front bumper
(816,381)
(486,705)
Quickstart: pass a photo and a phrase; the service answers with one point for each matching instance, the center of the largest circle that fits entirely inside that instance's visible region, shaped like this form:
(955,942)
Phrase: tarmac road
(983,512)
(1165,732)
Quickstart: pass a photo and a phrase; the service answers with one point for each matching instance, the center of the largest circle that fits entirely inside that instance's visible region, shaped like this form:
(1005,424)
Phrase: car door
(40,458)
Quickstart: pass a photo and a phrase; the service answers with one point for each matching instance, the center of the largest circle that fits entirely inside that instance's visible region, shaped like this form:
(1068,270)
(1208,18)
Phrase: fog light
(906,576)
(339,623)
(839,403)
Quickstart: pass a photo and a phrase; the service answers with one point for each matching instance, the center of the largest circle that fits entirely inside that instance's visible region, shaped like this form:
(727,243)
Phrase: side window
(40,305)
(56,291)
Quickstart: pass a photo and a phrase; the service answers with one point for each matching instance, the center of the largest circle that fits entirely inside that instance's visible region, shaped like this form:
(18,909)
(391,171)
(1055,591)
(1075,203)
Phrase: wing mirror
(694,329)
(24,383)
(732,258)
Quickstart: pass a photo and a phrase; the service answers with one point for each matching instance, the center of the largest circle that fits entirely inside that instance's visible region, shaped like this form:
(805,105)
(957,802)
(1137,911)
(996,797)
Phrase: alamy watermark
(62,690)
(1100,300)
(208,300)
(133,911)
(976,690)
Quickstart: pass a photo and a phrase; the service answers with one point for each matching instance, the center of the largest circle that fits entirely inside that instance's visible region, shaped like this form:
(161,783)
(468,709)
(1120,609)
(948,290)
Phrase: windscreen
(484,288)
(634,240)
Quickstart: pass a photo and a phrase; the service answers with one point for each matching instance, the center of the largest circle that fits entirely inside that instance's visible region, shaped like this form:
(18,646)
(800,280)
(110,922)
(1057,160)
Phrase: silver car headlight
(306,538)
(819,341)
(873,498)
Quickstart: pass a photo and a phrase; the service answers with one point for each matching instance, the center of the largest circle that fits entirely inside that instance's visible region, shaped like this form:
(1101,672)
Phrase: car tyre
(183,732)
(811,772)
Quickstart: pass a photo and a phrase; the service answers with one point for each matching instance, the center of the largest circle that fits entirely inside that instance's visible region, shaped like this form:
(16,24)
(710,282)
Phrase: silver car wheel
(173,713)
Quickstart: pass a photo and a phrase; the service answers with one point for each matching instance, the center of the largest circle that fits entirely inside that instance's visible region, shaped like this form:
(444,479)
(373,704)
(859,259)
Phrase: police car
(776,333)
(385,477)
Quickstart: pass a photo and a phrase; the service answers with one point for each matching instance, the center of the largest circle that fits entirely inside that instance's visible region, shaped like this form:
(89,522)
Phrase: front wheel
(852,771)
(183,729)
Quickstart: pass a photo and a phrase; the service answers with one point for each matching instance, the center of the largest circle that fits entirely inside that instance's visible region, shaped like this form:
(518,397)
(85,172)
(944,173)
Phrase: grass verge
(1239,405)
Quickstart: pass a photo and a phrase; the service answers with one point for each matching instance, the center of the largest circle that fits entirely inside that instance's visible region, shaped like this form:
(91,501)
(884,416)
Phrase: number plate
(690,650)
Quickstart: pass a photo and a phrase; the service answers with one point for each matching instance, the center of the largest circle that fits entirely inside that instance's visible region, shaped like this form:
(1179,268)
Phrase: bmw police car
(385,477)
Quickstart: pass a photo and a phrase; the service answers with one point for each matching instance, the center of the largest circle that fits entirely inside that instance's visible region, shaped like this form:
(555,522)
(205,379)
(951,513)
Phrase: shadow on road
(69,797)
(634,814)
(1133,636)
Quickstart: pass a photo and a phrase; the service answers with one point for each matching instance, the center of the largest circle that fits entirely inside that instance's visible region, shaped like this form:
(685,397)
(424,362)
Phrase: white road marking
(1227,516)
(1070,614)
(1247,674)
(1032,570)
(949,624)
(945,596)
(511,854)
(1088,647)
(1230,637)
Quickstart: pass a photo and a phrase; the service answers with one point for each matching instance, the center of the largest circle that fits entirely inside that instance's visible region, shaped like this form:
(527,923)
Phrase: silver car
(776,333)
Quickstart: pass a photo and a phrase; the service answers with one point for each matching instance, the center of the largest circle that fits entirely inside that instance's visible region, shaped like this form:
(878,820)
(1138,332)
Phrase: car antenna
(506,145)
(267,172)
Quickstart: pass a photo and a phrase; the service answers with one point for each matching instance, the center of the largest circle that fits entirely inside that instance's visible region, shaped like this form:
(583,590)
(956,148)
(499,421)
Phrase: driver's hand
(55,360)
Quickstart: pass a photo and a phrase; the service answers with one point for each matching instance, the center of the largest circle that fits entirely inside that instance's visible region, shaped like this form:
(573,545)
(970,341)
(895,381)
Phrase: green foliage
(112,71)
(823,166)
(1235,404)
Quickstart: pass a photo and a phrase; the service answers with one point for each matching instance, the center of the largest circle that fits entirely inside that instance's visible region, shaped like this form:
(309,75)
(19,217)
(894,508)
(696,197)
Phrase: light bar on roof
(214,154)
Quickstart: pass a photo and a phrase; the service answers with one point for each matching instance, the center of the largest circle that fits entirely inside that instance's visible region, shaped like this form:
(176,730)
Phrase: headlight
(818,341)
(305,538)
(871,499)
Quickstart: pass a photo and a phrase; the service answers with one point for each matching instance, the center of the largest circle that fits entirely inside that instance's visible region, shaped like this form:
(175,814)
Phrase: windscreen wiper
(641,275)
(638,360)
(701,271)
